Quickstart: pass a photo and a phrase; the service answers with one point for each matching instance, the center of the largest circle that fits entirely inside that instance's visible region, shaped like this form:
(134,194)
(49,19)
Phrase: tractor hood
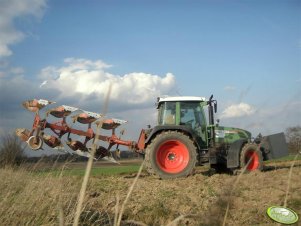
(230,134)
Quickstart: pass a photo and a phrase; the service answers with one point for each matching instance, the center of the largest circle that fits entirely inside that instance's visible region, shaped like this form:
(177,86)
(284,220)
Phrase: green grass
(96,171)
(285,158)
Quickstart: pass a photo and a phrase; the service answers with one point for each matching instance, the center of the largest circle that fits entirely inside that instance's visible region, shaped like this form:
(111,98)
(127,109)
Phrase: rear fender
(234,152)
(159,129)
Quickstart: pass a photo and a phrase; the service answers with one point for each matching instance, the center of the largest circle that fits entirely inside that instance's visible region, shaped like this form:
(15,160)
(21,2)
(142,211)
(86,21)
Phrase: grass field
(286,158)
(49,196)
(95,172)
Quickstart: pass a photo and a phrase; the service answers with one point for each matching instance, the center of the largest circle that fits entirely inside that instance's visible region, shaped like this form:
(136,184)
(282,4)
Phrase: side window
(167,113)
(200,116)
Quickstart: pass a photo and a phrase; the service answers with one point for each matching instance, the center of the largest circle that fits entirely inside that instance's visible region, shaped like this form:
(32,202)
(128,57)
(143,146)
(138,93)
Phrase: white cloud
(9,10)
(269,119)
(229,88)
(84,83)
(80,63)
(17,70)
(238,110)
(81,78)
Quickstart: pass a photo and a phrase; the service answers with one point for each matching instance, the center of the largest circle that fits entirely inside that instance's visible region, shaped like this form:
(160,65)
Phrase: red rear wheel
(172,156)
(251,157)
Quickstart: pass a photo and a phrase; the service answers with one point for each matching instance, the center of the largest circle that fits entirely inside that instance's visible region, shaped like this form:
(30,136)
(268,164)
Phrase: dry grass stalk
(132,222)
(176,221)
(60,202)
(84,188)
(23,202)
(232,190)
(128,195)
(116,209)
(90,163)
(289,179)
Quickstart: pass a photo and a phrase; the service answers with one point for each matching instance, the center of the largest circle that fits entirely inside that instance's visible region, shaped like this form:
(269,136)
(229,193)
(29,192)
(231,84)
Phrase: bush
(11,150)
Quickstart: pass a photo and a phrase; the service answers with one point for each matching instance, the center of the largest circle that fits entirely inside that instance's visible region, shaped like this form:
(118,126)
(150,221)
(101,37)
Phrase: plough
(36,137)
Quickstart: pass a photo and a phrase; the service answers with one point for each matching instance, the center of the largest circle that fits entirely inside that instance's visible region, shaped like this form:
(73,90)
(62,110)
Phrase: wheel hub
(171,156)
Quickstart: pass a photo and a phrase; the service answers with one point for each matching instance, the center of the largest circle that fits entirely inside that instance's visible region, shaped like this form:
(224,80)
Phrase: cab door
(192,116)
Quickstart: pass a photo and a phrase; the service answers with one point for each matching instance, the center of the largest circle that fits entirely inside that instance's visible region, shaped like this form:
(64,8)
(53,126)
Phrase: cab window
(191,114)
(167,113)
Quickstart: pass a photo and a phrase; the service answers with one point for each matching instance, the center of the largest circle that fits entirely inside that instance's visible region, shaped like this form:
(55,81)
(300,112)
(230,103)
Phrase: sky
(246,53)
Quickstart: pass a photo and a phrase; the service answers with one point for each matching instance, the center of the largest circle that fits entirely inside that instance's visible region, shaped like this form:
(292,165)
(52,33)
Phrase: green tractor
(184,138)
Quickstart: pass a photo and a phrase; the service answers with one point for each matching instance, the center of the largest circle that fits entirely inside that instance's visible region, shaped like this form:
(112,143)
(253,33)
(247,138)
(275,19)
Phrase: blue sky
(246,53)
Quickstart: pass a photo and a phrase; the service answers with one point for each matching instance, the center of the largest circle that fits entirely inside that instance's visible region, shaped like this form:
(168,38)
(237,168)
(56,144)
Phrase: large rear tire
(171,154)
(250,152)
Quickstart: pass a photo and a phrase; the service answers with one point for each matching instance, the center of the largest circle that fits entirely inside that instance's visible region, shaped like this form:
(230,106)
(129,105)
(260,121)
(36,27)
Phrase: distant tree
(11,150)
(293,135)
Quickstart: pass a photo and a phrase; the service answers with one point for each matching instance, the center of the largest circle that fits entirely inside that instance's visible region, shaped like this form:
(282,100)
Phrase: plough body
(37,137)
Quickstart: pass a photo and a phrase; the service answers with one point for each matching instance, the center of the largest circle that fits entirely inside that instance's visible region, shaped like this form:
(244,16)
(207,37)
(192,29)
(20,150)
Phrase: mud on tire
(171,154)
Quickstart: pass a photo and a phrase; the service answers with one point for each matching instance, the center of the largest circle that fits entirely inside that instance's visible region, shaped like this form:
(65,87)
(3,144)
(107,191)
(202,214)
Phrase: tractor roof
(181,98)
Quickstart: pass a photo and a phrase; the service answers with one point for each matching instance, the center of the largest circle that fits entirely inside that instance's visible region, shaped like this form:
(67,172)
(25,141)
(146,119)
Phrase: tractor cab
(184,111)
(180,111)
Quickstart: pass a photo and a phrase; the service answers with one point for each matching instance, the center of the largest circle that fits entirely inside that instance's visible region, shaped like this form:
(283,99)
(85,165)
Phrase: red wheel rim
(253,157)
(172,156)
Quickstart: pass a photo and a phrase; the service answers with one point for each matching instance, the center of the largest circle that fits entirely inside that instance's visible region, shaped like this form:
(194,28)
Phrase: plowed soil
(30,198)
(202,199)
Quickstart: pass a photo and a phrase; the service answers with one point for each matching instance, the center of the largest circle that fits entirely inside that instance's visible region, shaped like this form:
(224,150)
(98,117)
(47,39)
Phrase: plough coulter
(182,138)
(36,137)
